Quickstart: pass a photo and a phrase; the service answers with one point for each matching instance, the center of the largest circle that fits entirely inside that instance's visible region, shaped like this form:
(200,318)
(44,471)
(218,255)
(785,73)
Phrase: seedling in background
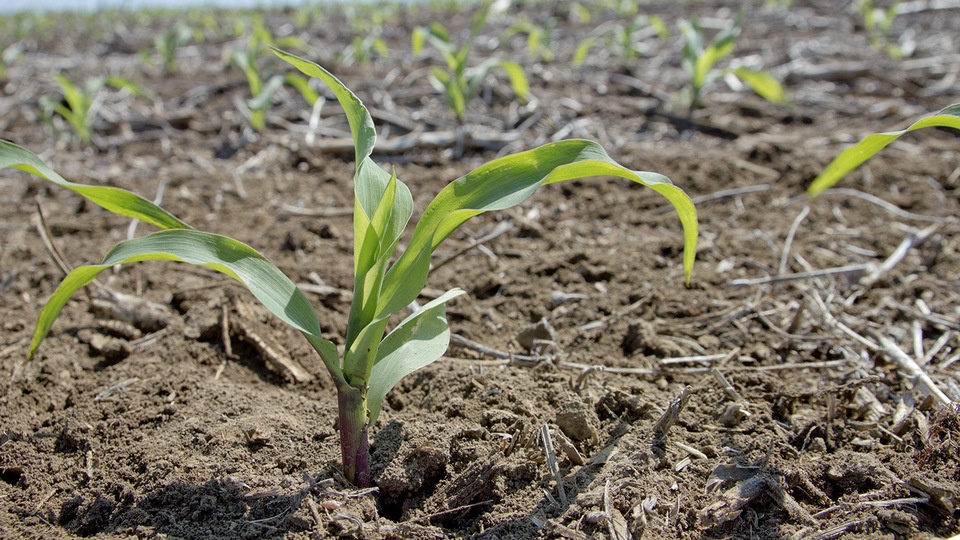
(370,17)
(79,104)
(167,44)
(578,13)
(878,22)
(373,360)
(856,155)
(9,55)
(538,37)
(364,49)
(699,62)
(625,40)
(263,88)
(459,83)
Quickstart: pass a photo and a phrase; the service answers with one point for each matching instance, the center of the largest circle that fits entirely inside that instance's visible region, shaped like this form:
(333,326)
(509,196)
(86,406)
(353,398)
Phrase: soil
(767,400)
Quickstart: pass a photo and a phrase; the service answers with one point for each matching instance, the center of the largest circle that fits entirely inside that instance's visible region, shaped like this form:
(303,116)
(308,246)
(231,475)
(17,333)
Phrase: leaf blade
(416,342)
(856,155)
(361,124)
(763,84)
(223,254)
(116,200)
(506,182)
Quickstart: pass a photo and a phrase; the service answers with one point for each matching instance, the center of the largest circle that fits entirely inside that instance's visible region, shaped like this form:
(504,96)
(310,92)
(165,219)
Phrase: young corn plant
(364,49)
(699,62)
(263,87)
(460,83)
(79,104)
(167,43)
(879,22)
(625,40)
(373,359)
(8,57)
(856,155)
(538,36)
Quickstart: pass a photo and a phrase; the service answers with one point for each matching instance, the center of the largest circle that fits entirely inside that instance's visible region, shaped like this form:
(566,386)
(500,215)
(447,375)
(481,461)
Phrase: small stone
(709,341)
(578,421)
(542,331)
(732,415)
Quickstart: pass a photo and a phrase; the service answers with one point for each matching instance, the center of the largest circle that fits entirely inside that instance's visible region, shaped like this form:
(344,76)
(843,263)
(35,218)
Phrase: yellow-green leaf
(853,157)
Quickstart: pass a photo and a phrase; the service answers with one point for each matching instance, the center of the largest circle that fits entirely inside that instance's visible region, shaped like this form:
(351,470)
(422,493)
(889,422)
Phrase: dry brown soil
(772,409)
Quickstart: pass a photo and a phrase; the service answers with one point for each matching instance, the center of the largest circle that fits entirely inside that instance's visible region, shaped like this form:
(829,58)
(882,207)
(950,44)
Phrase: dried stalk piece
(734,500)
(892,350)
(118,329)
(144,314)
(568,449)
(112,349)
(269,350)
(616,523)
(552,463)
(670,416)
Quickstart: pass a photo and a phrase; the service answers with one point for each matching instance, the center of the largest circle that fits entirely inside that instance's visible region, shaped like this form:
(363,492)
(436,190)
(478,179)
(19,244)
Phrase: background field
(799,420)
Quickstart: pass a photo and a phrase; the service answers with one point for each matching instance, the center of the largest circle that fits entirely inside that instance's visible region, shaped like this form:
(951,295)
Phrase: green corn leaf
(361,124)
(853,157)
(379,46)
(383,206)
(476,76)
(582,50)
(518,79)
(372,180)
(724,41)
(705,63)
(122,83)
(764,85)
(262,100)
(73,94)
(416,342)
(418,40)
(506,182)
(379,241)
(231,257)
(116,200)
(79,101)
(661,27)
(439,79)
(692,40)
(242,60)
(437,29)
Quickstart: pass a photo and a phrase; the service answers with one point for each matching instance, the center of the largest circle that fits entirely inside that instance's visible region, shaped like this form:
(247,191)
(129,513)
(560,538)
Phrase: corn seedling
(26,24)
(878,22)
(783,5)
(856,155)
(262,87)
(459,83)
(538,37)
(167,43)
(9,55)
(364,49)
(578,13)
(625,40)
(699,62)
(370,18)
(373,360)
(79,104)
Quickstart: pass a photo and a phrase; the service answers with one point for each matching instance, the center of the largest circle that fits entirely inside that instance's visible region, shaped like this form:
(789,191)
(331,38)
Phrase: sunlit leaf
(416,342)
(506,182)
(853,157)
(231,257)
(763,84)
(116,200)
